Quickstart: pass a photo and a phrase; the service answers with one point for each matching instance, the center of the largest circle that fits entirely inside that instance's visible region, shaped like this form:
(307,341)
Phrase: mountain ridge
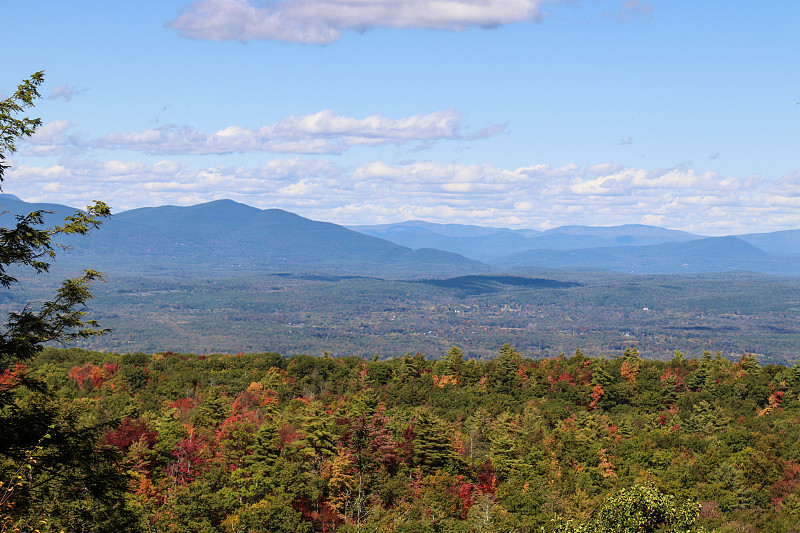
(224,237)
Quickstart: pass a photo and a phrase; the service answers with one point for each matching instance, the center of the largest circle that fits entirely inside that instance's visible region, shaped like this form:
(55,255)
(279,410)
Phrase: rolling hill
(224,238)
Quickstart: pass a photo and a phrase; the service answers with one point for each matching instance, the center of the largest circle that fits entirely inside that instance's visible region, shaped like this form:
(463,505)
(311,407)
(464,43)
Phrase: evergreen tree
(453,361)
(70,481)
(432,446)
(507,364)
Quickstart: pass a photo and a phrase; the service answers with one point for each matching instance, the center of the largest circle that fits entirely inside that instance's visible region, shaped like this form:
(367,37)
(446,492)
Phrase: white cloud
(323,21)
(324,132)
(534,196)
(51,139)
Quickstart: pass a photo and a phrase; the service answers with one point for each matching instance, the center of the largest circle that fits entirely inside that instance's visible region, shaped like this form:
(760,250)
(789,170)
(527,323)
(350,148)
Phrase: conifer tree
(453,361)
(72,479)
(432,446)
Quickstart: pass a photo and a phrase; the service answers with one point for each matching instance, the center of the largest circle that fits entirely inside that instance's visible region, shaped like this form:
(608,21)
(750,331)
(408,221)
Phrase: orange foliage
(605,464)
(255,386)
(774,402)
(89,372)
(458,443)
(629,371)
(442,381)
(595,395)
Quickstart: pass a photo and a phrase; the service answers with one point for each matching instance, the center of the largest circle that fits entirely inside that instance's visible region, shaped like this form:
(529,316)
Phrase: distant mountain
(485,243)
(447,230)
(711,254)
(784,243)
(225,238)
(576,237)
(11,206)
(472,241)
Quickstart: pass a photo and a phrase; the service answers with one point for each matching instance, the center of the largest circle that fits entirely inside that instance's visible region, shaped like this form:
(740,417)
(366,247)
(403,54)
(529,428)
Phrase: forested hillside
(261,442)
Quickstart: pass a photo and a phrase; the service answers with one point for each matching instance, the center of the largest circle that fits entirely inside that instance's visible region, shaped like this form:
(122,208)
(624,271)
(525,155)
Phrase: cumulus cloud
(534,196)
(51,139)
(130,184)
(325,132)
(323,21)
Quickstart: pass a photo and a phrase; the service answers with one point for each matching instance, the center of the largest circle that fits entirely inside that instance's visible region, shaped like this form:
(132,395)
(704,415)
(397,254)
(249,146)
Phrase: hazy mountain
(778,242)
(227,238)
(711,254)
(576,237)
(11,206)
(484,243)
(447,230)
(480,245)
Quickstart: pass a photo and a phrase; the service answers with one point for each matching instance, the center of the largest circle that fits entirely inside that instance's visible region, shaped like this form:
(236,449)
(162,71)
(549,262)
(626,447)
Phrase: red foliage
(673,376)
(128,432)
(184,405)
(303,506)
(235,435)
(326,519)
(416,484)
(10,378)
(269,400)
(465,492)
(487,478)
(110,369)
(585,378)
(787,485)
(191,457)
(97,375)
(246,401)
(288,434)
(80,374)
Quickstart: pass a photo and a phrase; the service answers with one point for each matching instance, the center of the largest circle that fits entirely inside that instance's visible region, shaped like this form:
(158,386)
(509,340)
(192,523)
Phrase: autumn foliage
(413,444)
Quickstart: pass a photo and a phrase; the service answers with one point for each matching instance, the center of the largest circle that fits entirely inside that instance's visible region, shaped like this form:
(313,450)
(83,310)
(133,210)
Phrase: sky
(509,113)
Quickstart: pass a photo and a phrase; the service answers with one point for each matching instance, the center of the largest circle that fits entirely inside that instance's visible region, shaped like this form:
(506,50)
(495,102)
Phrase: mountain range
(226,238)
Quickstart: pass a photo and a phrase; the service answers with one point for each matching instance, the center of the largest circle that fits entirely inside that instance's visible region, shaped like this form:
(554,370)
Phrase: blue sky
(515,113)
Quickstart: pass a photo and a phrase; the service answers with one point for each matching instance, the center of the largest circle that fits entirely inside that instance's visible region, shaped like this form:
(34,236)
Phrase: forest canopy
(264,442)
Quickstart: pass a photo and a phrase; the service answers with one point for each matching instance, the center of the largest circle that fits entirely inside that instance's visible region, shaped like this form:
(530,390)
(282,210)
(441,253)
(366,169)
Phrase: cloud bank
(534,196)
(325,132)
(323,21)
